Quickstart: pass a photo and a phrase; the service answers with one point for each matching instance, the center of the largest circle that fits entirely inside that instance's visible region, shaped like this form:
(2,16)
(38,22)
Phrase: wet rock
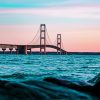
(50,89)
(96,89)
(77,85)
(37,90)
(95,79)
(20,91)
(58,92)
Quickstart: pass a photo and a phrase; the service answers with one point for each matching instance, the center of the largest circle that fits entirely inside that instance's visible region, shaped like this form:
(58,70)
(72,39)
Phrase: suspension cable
(34,37)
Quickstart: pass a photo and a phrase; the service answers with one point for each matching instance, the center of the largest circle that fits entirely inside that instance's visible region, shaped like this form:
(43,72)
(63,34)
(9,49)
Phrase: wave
(15,75)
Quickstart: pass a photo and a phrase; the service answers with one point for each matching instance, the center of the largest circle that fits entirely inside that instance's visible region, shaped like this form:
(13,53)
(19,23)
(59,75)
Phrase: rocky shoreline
(50,89)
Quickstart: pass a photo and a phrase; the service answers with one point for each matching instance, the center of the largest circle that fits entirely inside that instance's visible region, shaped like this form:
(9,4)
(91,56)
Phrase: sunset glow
(77,20)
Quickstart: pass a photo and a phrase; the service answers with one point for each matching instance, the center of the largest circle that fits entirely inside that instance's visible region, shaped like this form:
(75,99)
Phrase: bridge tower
(59,43)
(43,38)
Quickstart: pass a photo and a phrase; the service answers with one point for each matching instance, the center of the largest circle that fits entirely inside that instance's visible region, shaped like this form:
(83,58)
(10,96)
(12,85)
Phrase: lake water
(24,67)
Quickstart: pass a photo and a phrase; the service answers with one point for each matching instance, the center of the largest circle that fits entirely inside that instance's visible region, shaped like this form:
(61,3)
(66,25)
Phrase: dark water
(49,77)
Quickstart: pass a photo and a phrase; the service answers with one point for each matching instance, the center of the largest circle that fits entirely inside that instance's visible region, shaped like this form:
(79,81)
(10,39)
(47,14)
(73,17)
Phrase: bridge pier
(3,50)
(16,50)
(30,51)
(22,49)
(11,50)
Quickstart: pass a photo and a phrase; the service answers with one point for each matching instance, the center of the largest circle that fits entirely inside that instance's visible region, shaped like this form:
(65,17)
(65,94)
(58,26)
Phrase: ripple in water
(39,66)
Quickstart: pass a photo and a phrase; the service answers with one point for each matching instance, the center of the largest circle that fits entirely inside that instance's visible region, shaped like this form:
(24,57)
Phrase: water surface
(23,67)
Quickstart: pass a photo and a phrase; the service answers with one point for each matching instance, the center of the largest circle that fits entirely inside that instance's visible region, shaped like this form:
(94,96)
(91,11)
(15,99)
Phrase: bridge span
(23,49)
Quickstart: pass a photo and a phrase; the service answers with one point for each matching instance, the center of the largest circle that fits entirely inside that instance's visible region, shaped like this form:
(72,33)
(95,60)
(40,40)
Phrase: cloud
(92,12)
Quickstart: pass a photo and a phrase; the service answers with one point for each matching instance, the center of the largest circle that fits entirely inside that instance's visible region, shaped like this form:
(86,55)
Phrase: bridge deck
(31,46)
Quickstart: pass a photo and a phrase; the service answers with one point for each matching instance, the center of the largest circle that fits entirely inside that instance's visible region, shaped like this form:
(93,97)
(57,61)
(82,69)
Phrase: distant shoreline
(84,53)
(55,53)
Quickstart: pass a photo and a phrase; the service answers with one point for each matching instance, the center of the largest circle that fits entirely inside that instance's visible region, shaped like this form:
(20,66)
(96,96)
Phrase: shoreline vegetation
(50,89)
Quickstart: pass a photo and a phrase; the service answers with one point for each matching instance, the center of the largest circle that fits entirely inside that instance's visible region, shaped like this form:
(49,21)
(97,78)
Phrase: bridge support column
(43,38)
(11,50)
(59,44)
(30,51)
(3,50)
(16,50)
(22,49)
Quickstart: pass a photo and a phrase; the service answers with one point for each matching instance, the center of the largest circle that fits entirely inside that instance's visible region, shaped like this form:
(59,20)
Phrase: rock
(95,79)
(50,89)
(58,92)
(37,90)
(20,91)
(80,86)
(96,89)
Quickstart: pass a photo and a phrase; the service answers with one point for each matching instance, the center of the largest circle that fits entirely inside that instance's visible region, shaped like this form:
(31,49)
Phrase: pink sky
(89,40)
(79,26)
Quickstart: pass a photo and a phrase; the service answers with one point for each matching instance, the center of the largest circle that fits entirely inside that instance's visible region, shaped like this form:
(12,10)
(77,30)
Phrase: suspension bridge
(44,42)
